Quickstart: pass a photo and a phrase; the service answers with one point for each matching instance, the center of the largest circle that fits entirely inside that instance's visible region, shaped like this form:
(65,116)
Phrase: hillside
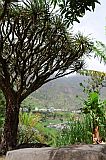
(60,93)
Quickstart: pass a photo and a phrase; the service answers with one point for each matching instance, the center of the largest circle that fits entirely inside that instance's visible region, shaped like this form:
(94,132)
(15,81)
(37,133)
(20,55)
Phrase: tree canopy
(71,10)
(36,45)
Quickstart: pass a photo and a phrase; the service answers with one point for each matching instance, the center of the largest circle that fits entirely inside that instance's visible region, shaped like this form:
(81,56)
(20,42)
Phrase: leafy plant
(27,132)
(93,105)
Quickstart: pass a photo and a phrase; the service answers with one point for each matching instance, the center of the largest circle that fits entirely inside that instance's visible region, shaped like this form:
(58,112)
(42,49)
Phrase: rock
(72,152)
(29,154)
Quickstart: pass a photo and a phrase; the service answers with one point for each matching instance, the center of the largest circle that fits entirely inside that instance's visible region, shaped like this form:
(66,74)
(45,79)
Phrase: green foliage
(66,49)
(50,134)
(77,131)
(100,51)
(27,132)
(94,83)
(93,105)
(31,130)
(71,10)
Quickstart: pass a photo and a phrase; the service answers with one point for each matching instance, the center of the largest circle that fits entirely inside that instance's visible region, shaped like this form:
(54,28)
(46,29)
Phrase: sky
(93,24)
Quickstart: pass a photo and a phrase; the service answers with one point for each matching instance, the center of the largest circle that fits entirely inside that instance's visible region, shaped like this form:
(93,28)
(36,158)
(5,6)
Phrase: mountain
(65,93)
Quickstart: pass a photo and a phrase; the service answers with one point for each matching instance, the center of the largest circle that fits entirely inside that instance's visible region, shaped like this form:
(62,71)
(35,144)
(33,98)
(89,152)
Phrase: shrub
(27,133)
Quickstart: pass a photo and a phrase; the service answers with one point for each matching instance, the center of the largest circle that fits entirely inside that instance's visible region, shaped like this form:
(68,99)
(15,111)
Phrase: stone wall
(72,152)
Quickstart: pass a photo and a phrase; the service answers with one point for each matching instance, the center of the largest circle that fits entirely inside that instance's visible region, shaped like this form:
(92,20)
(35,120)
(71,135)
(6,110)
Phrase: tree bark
(11,122)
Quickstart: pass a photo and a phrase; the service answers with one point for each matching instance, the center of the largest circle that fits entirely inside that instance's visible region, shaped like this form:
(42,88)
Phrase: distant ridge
(61,93)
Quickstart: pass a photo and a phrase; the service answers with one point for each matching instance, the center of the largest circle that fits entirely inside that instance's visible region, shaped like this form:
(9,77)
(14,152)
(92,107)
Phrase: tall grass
(78,130)
(102,127)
